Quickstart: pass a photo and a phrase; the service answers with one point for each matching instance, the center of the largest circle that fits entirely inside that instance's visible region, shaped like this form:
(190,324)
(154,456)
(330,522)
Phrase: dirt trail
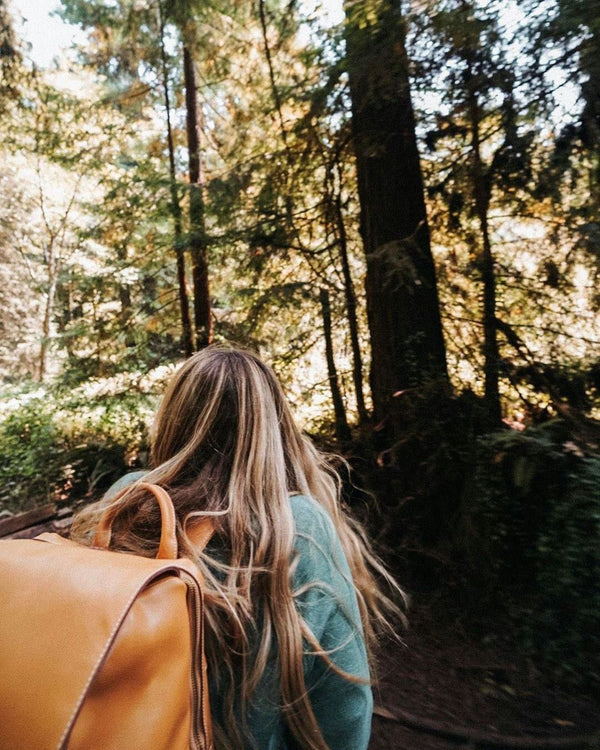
(441,679)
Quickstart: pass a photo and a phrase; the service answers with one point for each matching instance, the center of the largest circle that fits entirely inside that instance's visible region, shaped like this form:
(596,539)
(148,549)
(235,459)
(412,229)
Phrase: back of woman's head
(220,400)
(225,441)
(217,423)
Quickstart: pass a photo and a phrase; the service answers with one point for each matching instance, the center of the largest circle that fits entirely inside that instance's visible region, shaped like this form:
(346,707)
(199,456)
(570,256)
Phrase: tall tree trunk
(64,296)
(481,191)
(198,245)
(184,304)
(482,187)
(401,291)
(342,431)
(357,366)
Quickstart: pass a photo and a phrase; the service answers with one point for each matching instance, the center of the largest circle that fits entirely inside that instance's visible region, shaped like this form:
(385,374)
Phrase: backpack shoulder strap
(200,532)
(168,538)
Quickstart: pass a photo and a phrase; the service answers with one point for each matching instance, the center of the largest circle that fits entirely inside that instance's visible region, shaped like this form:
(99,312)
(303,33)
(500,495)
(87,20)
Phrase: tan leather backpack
(101,650)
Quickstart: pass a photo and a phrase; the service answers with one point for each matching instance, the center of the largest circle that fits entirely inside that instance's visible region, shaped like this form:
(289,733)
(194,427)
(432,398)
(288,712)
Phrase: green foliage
(31,447)
(531,529)
(55,446)
(10,59)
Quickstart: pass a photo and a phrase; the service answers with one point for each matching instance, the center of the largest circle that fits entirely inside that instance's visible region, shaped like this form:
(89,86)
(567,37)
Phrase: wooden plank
(11,524)
(58,525)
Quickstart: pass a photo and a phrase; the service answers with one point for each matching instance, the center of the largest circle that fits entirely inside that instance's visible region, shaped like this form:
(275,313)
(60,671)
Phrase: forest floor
(440,690)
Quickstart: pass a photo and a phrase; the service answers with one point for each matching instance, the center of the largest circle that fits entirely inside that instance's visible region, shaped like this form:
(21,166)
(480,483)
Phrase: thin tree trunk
(274,89)
(357,366)
(64,296)
(198,245)
(52,267)
(184,304)
(124,295)
(481,191)
(342,431)
(125,300)
(401,291)
(54,260)
(124,290)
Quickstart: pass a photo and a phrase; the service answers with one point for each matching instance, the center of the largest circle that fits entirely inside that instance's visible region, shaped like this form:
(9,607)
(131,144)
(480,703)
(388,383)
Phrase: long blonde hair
(225,445)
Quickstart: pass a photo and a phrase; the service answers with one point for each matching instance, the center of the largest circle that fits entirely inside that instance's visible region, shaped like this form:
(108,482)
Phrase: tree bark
(184,304)
(197,243)
(401,290)
(342,431)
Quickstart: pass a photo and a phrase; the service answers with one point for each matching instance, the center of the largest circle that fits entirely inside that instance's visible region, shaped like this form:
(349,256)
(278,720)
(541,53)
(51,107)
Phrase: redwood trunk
(401,291)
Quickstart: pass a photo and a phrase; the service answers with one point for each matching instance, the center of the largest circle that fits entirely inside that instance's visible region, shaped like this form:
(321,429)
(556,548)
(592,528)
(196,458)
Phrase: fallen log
(12,524)
(58,525)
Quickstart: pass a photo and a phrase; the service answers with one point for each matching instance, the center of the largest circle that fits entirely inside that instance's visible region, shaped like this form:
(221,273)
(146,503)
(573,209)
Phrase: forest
(397,204)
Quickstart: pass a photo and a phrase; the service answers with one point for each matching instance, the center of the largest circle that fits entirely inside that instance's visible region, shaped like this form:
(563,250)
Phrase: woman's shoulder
(124,481)
(317,544)
(311,518)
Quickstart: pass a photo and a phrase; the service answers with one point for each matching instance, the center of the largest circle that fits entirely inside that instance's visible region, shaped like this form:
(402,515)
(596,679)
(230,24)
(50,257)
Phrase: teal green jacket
(327,602)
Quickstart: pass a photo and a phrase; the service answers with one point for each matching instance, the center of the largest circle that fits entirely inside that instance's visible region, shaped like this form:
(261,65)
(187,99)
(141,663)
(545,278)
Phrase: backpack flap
(96,650)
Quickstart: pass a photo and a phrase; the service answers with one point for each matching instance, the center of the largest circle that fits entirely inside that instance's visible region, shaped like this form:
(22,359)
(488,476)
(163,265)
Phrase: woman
(292,606)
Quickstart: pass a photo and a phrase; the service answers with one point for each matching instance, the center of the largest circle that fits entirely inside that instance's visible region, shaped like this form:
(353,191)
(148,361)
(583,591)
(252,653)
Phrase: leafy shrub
(424,470)
(531,531)
(57,445)
(31,449)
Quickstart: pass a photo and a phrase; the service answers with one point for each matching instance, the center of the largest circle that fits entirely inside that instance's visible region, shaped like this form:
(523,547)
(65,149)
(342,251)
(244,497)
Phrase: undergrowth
(59,445)
(530,532)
